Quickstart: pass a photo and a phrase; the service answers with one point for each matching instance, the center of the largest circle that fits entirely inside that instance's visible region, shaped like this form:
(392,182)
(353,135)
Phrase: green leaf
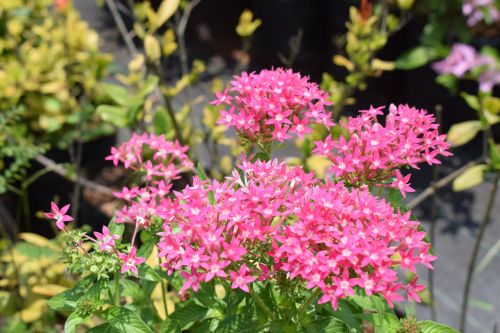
(120,95)
(233,299)
(104,328)
(148,273)
(116,115)
(495,154)
(66,301)
(132,289)
(471,177)
(162,123)
(471,101)
(428,326)
(150,85)
(461,133)
(116,228)
(125,320)
(73,321)
(236,323)
(326,325)
(448,81)
(148,245)
(169,326)
(203,176)
(416,57)
(189,314)
(281,326)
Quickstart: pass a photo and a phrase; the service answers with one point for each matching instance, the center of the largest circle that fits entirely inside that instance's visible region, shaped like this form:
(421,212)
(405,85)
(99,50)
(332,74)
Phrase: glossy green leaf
(125,320)
(416,57)
(189,314)
(73,321)
(66,301)
(116,115)
(428,326)
(118,94)
(162,123)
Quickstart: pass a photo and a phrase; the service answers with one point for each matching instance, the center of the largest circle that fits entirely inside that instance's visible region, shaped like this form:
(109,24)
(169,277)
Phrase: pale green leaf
(471,177)
(461,133)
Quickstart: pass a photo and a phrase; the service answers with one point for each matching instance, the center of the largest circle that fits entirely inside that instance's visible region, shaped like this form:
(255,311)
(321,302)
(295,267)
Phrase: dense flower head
(211,227)
(373,151)
(464,58)
(267,218)
(345,238)
(475,11)
(272,105)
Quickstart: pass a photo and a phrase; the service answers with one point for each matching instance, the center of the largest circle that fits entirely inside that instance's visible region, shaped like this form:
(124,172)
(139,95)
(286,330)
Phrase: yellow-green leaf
(38,240)
(471,177)
(168,40)
(246,27)
(382,65)
(343,62)
(461,133)
(318,164)
(152,48)
(48,289)
(165,11)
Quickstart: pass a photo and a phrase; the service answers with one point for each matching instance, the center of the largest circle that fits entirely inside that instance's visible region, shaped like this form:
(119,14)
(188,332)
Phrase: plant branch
(439,184)
(475,251)
(122,27)
(59,169)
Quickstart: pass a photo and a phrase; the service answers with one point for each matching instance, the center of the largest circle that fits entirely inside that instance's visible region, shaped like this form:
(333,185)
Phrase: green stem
(163,294)
(117,288)
(475,251)
(261,304)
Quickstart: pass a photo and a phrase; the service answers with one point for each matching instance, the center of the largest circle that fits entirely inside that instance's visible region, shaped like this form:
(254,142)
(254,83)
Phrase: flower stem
(261,303)
(475,251)
(163,293)
(117,288)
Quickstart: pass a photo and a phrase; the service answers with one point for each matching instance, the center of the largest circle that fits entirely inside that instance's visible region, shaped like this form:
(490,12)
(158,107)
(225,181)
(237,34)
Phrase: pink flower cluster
(208,238)
(463,58)
(272,105)
(373,152)
(267,217)
(475,9)
(159,161)
(345,238)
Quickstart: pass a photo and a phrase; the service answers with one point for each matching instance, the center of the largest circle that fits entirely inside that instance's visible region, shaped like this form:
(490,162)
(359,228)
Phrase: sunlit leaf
(471,177)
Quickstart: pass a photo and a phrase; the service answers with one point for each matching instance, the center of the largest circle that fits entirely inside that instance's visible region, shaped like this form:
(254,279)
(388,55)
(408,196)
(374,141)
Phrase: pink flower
(106,240)
(241,279)
(401,183)
(489,79)
(272,105)
(130,261)
(461,59)
(475,9)
(59,215)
